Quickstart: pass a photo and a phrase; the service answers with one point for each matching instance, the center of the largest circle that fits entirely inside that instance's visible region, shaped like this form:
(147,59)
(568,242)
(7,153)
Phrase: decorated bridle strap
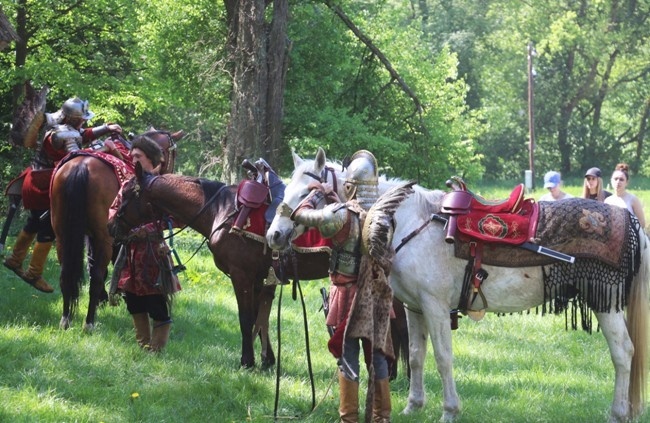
(322,178)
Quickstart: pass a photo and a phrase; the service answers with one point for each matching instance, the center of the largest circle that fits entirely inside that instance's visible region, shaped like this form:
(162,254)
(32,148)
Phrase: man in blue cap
(553,182)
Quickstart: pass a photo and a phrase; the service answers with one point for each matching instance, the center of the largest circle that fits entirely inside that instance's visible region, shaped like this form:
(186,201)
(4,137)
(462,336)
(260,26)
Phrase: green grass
(516,368)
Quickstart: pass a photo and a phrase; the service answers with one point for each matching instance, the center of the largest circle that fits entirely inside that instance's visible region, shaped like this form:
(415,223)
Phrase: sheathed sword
(341,361)
(547,252)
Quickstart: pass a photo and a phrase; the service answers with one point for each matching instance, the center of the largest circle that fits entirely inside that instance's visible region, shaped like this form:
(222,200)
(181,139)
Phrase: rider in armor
(64,135)
(343,222)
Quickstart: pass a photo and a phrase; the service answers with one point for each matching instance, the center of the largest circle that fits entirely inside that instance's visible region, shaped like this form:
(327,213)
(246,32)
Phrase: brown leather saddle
(252,193)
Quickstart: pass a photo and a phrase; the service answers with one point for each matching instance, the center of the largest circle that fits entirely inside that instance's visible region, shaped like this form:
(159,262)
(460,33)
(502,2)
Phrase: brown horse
(207,207)
(83,188)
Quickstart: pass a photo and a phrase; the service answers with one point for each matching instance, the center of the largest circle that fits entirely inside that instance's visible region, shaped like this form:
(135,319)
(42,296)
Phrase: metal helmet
(75,110)
(361,179)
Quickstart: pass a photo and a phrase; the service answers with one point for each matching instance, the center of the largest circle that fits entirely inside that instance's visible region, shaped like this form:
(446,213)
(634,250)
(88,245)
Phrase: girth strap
(478,276)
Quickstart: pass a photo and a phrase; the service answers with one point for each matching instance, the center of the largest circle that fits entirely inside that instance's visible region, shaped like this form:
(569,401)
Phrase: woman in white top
(622,198)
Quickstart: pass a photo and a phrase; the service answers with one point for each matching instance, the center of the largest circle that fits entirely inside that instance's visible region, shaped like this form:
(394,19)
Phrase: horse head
(166,141)
(282,229)
(135,206)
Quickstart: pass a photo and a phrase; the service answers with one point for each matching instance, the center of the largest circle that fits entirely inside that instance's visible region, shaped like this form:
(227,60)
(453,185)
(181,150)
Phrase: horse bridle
(285,210)
(137,188)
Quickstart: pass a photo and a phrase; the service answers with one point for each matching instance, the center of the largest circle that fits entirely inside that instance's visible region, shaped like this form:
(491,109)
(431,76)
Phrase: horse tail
(637,324)
(74,223)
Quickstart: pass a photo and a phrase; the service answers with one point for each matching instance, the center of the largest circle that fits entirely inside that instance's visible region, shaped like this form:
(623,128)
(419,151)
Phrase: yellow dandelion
(135,395)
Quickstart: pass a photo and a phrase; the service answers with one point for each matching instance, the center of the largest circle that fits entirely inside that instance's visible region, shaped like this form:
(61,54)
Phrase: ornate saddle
(253,192)
(476,221)
(473,218)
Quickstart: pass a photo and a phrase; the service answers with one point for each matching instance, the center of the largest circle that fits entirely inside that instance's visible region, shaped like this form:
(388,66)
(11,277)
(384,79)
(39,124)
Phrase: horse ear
(177,135)
(297,161)
(320,160)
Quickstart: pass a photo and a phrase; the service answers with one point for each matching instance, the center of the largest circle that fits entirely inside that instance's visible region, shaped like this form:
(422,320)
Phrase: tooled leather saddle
(473,218)
(475,221)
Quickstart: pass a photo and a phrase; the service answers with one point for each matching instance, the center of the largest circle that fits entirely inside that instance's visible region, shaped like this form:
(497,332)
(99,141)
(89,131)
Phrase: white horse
(427,277)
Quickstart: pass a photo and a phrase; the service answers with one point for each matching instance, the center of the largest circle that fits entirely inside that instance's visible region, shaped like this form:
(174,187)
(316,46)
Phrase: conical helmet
(76,110)
(361,179)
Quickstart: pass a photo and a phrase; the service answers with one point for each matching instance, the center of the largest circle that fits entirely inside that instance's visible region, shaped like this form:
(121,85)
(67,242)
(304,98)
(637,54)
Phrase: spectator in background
(622,198)
(593,186)
(553,182)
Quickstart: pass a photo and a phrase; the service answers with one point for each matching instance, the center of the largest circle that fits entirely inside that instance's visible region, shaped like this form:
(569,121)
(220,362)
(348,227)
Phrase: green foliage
(354,103)
(164,63)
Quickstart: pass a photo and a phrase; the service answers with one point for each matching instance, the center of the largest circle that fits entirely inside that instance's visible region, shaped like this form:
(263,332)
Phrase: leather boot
(142,329)
(381,403)
(160,335)
(348,400)
(34,273)
(15,261)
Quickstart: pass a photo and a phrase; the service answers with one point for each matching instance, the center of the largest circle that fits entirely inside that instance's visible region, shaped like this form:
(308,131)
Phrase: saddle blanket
(579,227)
(309,242)
(123,170)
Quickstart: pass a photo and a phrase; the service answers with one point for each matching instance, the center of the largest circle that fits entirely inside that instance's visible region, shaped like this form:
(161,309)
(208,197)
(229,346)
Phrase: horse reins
(190,222)
(296,287)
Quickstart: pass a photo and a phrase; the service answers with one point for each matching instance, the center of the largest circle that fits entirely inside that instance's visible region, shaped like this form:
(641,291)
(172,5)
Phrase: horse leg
(65,316)
(264,306)
(621,350)
(400,338)
(418,336)
(245,295)
(100,252)
(442,348)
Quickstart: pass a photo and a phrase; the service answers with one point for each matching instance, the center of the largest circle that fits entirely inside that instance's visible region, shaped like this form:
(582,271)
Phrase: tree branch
(382,58)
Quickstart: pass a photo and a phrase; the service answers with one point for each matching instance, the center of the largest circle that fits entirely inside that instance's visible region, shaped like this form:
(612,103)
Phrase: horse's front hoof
(89,327)
(64,323)
(413,406)
(268,364)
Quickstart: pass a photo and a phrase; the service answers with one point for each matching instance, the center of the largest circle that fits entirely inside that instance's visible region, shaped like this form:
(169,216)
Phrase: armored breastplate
(346,254)
(66,137)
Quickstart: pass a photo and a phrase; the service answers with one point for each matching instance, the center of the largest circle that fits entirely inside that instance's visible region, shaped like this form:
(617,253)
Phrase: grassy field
(516,368)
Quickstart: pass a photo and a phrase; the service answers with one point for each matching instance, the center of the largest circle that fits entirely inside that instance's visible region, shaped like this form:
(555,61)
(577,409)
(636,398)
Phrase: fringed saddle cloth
(604,240)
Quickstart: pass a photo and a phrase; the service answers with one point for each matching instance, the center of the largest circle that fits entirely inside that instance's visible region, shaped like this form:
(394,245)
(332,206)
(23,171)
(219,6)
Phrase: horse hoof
(64,323)
(266,365)
(89,327)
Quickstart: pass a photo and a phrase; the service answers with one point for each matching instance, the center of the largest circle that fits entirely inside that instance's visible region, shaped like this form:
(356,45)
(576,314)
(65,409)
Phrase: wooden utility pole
(531,116)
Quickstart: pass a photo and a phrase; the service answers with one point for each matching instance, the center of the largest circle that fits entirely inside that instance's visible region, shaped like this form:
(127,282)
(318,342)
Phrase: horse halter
(284,210)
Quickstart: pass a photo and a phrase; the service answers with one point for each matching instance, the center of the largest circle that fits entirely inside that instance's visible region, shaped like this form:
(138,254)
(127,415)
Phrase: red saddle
(472,217)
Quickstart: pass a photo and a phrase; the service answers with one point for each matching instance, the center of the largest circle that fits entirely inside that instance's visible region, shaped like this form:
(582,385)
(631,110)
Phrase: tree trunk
(259,59)
(21,51)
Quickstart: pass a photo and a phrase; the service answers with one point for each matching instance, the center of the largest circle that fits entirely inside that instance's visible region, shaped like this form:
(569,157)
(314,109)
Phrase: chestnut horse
(82,190)
(207,207)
